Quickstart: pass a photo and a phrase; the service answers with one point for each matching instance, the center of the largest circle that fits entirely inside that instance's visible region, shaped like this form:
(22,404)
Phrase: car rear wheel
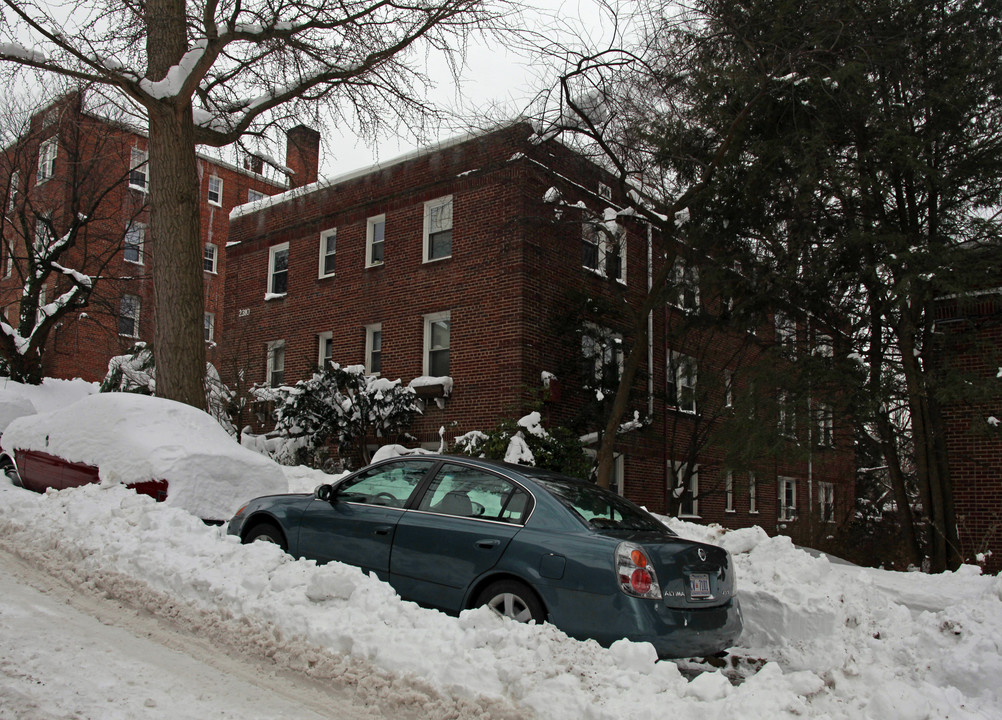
(266,532)
(11,472)
(512,599)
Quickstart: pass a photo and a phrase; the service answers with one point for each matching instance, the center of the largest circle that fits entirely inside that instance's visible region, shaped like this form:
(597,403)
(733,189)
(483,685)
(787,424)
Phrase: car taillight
(636,574)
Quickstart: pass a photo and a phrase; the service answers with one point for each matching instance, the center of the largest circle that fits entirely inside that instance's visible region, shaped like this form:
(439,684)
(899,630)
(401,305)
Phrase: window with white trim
(255,195)
(132,244)
(826,425)
(215,195)
(47,152)
(826,501)
(139,170)
(617,483)
(375,240)
(786,334)
(752,494)
(438,229)
(276,363)
(128,316)
(681,379)
(684,293)
(374,349)
(12,189)
(602,350)
(729,491)
(278,269)
(210,258)
(689,494)
(787,414)
(43,234)
(325,349)
(603,247)
(437,331)
(328,248)
(787,499)
(210,327)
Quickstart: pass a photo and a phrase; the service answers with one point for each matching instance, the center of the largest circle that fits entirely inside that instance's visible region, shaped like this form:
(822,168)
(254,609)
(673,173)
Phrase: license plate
(699,585)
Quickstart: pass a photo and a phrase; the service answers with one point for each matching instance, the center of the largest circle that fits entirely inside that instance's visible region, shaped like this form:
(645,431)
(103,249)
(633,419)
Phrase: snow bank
(132,438)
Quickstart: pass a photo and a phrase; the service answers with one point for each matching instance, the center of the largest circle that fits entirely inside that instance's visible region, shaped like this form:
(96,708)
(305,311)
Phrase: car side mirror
(324,492)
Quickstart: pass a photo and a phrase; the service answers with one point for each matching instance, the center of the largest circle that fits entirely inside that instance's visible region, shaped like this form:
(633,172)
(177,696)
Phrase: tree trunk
(179,345)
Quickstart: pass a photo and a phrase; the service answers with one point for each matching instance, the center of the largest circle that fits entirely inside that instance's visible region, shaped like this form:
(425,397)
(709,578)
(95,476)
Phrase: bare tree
(62,223)
(208,72)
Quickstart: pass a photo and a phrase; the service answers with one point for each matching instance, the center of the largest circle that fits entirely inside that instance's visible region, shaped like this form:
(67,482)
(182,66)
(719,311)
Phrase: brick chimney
(302,155)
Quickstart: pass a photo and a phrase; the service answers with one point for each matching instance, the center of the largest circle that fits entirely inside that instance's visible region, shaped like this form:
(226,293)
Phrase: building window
(15,181)
(437,329)
(604,191)
(128,316)
(133,244)
(728,388)
(210,327)
(210,258)
(826,425)
(617,482)
(276,363)
(826,501)
(729,491)
(823,345)
(374,349)
(375,236)
(138,170)
(787,415)
(682,382)
(215,191)
(787,499)
(328,246)
(603,246)
(786,334)
(688,494)
(684,293)
(255,195)
(590,242)
(325,349)
(438,229)
(47,152)
(278,270)
(602,350)
(752,494)
(43,234)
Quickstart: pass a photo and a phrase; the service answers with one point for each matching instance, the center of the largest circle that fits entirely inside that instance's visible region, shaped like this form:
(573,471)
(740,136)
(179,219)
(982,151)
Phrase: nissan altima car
(454,533)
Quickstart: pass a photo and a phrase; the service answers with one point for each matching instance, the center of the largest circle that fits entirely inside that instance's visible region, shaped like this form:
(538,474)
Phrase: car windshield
(599,507)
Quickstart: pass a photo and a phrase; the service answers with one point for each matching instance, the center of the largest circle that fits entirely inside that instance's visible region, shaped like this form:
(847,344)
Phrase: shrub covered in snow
(344,406)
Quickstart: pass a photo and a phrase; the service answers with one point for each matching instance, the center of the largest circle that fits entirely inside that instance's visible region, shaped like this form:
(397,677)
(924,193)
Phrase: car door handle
(488,544)
(382,530)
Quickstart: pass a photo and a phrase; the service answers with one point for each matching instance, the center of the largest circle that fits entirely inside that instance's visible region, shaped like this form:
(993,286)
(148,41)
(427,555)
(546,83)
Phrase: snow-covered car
(171,451)
(456,533)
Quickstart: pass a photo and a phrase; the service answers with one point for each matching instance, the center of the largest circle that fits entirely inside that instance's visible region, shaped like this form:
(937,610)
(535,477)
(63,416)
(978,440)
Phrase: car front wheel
(512,599)
(266,532)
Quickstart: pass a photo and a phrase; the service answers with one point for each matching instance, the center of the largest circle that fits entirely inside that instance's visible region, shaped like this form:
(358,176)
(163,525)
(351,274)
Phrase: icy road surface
(52,639)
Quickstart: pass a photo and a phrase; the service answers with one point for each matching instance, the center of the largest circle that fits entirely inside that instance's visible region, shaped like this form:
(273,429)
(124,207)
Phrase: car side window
(470,492)
(389,485)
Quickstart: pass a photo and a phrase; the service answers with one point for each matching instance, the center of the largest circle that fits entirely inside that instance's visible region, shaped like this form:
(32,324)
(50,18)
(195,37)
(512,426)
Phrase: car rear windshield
(599,507)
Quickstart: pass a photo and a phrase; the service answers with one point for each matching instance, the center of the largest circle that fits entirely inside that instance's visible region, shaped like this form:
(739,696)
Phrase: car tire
(11,472)
(513,599)
(266,532)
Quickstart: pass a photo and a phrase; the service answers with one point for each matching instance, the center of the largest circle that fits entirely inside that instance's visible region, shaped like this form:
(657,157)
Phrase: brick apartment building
(970,332)
(482,260)
(70,158)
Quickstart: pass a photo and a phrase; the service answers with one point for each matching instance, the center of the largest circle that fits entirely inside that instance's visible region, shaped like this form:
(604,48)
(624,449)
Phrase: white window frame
(325,252)
(276,348)
(429,322)
(12,190)
(826,425)
(214,260)
(139,166)
(273,253)
(48,151)
(370,230)
(678,469)
(138,231)
(255,195)
(787,498)
(685,290)
(42,235)
(602,348)
(604,191)
(752,494)
(137,306)
(729,491)
(209,327)
(617,483)
(429,211)
(325,340)
(370,343)
(682,374)
(595,234)
(218,191)
(826,502)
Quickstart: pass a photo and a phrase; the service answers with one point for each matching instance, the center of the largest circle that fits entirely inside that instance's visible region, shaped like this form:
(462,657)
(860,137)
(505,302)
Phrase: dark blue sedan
(455,533)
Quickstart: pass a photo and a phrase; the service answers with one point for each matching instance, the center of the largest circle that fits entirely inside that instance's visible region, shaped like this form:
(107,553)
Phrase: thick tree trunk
(179,346)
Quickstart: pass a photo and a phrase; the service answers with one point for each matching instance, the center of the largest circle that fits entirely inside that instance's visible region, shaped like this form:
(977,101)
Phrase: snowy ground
(821,641)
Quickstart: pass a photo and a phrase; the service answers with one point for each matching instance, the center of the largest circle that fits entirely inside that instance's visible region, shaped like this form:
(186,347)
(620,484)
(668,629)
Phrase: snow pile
(52,394)
(133,438)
